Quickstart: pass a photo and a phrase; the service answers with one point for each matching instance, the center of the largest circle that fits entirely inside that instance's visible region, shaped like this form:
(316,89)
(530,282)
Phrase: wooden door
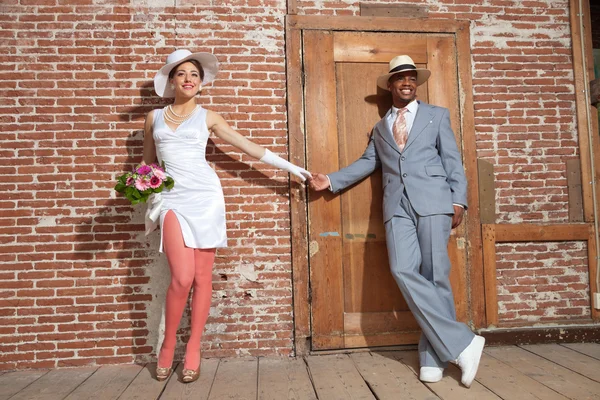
(355,302)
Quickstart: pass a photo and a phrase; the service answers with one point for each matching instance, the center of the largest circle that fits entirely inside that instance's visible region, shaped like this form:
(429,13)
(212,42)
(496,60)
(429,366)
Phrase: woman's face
(186,80)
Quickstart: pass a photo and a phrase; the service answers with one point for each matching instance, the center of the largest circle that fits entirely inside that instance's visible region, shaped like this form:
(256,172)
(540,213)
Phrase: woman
(192,214)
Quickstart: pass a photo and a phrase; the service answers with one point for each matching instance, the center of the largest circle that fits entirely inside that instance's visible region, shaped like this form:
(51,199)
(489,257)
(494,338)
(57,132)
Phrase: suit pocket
(385,181)
(435,170)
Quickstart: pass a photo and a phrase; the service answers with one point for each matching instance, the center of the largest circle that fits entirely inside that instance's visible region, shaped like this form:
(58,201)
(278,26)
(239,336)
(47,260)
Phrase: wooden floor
(565,371)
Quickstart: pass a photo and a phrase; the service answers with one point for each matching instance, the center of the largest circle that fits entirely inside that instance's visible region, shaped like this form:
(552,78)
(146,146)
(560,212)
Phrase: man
(425,194)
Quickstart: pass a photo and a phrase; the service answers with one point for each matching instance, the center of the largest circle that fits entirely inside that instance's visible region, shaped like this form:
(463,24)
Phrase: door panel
(355,300)
(325,250)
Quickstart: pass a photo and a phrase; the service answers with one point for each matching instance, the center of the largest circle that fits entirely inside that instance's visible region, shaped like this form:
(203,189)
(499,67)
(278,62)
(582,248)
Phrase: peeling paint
(247,271)
(313,248)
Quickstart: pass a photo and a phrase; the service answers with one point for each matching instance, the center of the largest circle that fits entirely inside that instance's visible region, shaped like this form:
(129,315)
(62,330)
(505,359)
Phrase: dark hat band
(402,67)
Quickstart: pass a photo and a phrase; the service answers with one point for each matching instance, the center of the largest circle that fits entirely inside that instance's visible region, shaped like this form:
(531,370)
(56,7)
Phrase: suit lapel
(385,132)
(422,119)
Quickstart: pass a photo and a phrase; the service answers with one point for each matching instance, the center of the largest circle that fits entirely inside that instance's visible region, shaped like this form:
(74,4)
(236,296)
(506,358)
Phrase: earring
(199,88)
(172,87)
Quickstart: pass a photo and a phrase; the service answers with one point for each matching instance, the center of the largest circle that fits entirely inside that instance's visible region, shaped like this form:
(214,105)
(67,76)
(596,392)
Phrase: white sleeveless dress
(197,197)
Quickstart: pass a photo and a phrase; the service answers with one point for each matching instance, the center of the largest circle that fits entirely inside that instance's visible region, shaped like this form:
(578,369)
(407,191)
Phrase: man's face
(403,86)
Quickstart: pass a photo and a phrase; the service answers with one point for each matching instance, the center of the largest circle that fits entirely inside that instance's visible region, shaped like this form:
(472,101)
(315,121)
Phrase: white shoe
(468,360)
(431,374)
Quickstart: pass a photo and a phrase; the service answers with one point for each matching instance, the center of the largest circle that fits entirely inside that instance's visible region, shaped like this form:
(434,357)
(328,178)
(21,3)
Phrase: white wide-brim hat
(209,63)
(401,64)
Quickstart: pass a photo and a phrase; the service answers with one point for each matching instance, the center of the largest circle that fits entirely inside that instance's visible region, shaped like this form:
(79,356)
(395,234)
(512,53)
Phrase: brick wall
(81,285)
(540,283)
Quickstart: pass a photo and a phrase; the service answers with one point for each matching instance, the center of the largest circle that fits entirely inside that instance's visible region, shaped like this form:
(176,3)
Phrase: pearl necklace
(175,118)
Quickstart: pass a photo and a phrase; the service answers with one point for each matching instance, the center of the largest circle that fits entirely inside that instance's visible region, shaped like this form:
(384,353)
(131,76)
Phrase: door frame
(295,25)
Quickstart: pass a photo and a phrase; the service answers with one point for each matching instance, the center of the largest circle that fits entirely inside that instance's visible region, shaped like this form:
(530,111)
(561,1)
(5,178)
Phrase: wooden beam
(592,261)
(489,260)
(393,10)
(377,24)
(292,7)
(487,192)
(327,280)
(297,146)
(371,48)
(472,221)
(541,232)
(546,334)
(574,186)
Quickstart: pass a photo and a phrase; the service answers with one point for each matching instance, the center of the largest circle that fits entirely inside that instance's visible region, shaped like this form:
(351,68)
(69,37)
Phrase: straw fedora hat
(209,63)
(400,64)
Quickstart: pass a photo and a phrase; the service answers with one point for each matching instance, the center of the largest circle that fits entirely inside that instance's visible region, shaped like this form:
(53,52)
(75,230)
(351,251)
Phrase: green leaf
(120,187)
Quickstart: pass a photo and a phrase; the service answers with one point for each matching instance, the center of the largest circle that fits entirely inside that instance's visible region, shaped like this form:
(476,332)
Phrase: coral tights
(189,267)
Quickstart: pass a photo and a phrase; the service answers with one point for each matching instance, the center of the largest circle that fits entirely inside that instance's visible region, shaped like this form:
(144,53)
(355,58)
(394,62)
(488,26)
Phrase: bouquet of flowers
(143,181)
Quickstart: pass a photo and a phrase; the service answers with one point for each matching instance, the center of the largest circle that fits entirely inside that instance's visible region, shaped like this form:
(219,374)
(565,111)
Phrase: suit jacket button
(404,175)
(402,158)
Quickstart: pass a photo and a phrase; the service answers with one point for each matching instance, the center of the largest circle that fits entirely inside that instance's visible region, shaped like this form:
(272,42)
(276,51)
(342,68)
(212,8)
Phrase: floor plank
(107,383)
(510,384)
(449,388)
(390,378)
(590,349)
(573,360)
(556,377)
(284,378)
(336,378)
(235,379)
(14,382)
(198,390)
(56,384)
(145,386)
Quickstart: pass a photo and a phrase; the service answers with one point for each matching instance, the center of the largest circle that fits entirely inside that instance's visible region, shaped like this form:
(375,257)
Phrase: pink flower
(159,173)
(129,181)
(144,169)
(155,182)
(141,183)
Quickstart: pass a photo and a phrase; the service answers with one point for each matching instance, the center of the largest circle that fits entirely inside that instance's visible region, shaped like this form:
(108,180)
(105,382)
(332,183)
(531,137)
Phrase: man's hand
(318,182)
(458,216)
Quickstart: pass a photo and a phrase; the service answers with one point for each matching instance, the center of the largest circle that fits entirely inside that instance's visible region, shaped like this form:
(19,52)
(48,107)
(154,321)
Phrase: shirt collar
(411,108)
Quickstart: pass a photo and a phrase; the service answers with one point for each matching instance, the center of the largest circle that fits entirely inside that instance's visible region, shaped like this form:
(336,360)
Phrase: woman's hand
(276,161)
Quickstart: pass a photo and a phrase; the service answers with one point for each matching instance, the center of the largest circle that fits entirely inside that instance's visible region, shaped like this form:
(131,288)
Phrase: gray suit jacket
(429,168)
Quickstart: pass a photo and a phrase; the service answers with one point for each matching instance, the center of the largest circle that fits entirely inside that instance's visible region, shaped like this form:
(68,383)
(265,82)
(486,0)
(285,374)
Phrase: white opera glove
(276,161)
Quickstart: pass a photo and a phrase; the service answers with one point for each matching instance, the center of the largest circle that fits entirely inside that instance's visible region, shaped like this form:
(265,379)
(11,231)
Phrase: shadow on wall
(134,278)
(128,284)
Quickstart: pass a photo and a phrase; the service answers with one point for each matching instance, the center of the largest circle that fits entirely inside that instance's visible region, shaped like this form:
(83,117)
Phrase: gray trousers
(418,255)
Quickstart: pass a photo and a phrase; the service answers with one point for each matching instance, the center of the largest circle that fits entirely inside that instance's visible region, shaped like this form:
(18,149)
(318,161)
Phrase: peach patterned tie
(399,129)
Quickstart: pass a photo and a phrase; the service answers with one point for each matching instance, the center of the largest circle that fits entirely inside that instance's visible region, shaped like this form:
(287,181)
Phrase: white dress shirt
(409,116)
